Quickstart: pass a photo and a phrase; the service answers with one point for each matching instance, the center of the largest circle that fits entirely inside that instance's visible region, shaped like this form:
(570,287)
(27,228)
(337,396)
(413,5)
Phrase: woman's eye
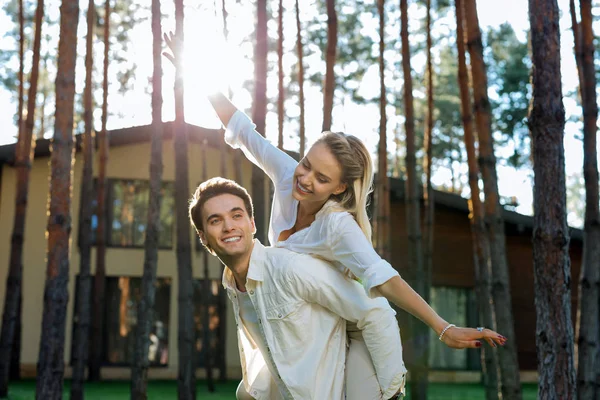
(322,180)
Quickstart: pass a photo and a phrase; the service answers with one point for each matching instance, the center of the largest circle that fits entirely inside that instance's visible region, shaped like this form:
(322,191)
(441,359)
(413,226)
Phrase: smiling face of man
(228,229)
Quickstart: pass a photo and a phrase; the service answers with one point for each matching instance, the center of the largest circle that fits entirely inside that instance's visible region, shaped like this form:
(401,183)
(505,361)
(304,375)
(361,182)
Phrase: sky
(229,65)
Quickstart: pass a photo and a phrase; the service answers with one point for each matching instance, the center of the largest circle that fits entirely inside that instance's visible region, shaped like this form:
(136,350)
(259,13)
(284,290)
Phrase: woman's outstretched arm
(401,294)
(223,107)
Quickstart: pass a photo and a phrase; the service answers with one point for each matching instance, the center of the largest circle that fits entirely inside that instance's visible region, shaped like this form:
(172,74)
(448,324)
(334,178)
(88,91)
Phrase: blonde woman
(319,208)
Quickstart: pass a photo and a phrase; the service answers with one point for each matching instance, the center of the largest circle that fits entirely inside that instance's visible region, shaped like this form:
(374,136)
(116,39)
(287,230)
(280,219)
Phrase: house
(128,172)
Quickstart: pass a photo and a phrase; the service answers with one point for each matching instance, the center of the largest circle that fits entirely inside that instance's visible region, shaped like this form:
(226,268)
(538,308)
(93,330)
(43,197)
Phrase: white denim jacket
(334,235)
(302,304)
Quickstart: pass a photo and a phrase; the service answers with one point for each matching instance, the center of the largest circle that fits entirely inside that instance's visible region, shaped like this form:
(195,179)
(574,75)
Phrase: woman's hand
(170,40)
(465,338)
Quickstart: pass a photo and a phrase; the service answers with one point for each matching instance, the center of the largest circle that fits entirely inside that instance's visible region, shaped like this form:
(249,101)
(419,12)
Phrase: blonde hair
(357,173)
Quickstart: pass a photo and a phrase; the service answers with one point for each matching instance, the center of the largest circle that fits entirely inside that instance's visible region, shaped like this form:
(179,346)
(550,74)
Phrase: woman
(319,208)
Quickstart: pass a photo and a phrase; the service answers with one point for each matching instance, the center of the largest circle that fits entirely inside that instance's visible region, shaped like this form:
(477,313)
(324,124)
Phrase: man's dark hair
(212,188)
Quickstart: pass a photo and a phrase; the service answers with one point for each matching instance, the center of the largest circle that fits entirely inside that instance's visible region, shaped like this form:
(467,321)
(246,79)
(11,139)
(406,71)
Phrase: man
(291,309)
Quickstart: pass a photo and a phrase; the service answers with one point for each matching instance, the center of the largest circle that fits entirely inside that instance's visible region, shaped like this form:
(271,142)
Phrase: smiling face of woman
(318,176)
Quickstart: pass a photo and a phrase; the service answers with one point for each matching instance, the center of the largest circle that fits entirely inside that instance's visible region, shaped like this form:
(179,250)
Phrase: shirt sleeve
(324,285)
(350,248)
(241,133)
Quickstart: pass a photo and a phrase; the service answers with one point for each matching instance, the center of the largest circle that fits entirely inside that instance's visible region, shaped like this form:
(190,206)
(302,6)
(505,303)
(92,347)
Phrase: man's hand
(465,338)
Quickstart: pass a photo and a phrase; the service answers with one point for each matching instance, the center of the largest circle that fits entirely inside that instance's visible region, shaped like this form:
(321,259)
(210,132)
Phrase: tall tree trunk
(186,382)
(588,314)
(222,346)
(413,214)
(576,28)
(84,285)
(428,195)
(481,245)
(51,363)
(383,188)
(237,156)
(11,317)
(206,335)
(554,330)
(300,52)
(97,337)
(139,372)
(330,56)
(259,115)
(280,98)
(510,380)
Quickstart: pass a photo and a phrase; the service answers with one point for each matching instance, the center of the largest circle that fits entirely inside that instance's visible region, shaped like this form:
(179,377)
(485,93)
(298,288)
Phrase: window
(120,323)
(127,213)
(122,296)
(458,306)
(212,289)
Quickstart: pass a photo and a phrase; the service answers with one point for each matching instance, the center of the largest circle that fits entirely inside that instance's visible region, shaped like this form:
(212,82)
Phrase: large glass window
(127,213)
(122,298)
(206,294)
(458,306)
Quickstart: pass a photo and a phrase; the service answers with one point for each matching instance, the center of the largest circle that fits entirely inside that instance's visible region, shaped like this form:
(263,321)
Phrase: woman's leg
(241,393)
(361,379)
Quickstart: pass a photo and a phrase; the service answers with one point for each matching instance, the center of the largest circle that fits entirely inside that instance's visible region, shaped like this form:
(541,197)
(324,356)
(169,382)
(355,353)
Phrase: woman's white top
(334,235)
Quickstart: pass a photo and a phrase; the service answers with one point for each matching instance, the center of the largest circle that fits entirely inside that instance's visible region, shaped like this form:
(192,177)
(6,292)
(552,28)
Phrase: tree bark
(141,363)
(481,245)
(383,188)
(237,160)
(259,115)
(330,56)
(428,195)
(222,346)
(554,331)
(300,52)
(576,28)
(186,381)
(413,215)
(206,336)
(429,207)
(50,368)
(84,284)
(11,317)
(588,315)
(281,97)
(494,222)
(97,336)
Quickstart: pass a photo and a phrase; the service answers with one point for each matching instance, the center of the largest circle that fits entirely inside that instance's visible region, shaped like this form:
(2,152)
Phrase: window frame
(473,359)
(109,215)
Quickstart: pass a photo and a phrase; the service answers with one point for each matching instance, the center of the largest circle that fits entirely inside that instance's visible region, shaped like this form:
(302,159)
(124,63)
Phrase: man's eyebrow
(234,209)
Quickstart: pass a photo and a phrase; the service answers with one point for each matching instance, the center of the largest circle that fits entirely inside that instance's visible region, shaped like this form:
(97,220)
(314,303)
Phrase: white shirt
(334,235)
(302,304)
(249,319)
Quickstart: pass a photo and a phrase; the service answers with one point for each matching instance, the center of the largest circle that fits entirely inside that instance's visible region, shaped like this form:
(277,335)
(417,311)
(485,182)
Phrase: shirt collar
(329,206)
(255,269)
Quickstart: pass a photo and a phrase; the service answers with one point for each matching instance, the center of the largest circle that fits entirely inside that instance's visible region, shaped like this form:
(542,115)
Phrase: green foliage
(125,16)
(508,74)
(356,52)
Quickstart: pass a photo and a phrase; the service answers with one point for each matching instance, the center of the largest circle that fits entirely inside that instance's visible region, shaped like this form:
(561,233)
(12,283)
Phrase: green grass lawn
(164,390)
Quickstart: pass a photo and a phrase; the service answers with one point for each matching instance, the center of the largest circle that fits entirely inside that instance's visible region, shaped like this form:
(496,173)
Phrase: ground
(164,390)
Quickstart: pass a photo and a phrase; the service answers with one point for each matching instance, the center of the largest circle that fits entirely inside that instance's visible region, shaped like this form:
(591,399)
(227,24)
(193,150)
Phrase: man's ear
(202,237)
(340,189)
(253,226)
